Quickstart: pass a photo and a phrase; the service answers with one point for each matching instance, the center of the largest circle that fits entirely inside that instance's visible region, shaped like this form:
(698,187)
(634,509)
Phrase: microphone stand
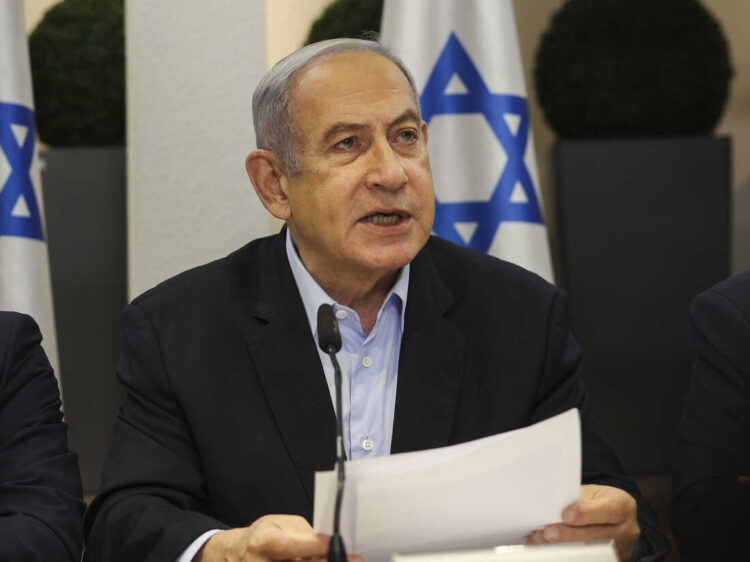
(336,550)
(329,339)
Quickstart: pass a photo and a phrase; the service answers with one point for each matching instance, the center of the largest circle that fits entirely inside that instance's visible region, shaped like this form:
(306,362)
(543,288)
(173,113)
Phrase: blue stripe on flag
(18,184)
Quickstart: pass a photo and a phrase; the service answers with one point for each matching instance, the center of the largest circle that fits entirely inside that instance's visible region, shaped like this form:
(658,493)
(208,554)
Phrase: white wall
(34,10)
(287,25)
(192,66)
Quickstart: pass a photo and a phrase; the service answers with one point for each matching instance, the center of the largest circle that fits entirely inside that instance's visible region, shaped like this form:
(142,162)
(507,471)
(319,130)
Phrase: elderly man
(229,411)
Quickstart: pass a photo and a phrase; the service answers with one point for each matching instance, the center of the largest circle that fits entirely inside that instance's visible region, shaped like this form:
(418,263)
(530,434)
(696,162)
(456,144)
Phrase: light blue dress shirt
(369,368)
(369,362)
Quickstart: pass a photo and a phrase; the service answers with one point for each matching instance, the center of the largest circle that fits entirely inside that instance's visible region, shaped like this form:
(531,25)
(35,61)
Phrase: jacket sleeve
(40,486)
(562,388)
(710,512)
(154,498)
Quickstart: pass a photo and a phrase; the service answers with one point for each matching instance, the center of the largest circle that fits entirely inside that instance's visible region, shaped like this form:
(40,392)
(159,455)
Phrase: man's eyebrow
(408,115)
(340,127)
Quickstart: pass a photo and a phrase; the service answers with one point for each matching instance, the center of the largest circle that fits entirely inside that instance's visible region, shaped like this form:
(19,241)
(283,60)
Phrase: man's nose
(385,170)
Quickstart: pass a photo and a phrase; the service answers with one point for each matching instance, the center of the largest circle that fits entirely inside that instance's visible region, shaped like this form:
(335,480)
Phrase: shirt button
(341,314)
(367,361)
(367,444)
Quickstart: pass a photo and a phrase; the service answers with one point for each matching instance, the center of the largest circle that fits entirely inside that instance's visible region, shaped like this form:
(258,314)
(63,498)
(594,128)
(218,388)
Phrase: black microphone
(329,339)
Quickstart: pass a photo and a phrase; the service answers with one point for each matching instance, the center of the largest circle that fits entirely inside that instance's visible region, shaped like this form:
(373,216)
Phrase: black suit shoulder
(40,502)
(736,289)
(720,326)
(493,295)
(474,269)
(224,294)
(245,266)
(489,290)
(711,508)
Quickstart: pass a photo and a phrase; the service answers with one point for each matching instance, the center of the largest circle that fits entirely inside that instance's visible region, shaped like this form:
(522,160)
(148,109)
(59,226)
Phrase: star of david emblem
(19,212)
(513,197)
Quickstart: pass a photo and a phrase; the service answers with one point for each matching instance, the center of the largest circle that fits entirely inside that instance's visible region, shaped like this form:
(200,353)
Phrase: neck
(365,296)
(362,290)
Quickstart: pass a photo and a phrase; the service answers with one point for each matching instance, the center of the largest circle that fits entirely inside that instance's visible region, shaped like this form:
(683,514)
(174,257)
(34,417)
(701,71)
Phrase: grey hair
(272,116)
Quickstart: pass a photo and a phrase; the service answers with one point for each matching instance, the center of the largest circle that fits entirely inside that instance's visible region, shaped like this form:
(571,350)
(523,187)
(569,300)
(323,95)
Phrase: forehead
(350,83)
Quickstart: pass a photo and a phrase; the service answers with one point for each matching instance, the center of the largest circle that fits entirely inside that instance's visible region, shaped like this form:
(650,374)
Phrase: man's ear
(269,178)
(424,131)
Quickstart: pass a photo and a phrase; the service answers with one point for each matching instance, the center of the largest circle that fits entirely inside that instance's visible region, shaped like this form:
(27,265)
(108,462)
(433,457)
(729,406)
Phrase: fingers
(289,546)
(284,537)
(602,513)
(600,505)
(565,533)
(272,537)
(623,535)
(349,557)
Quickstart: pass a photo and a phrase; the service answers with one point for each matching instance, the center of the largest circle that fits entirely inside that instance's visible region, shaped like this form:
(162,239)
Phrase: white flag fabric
(466,63)
(24,266)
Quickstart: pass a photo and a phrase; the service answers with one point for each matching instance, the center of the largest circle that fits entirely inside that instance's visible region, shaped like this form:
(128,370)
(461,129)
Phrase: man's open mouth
(384,219)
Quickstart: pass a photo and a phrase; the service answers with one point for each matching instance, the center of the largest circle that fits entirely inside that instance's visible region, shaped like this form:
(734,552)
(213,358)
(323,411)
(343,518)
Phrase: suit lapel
(429,373)
(290,372)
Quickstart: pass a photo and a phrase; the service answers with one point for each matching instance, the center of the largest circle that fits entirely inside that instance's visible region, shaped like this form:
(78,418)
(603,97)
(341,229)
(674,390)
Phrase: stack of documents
(484,493)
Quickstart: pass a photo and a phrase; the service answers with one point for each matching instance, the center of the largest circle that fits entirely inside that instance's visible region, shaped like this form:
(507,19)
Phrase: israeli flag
(24,266)
(466,62)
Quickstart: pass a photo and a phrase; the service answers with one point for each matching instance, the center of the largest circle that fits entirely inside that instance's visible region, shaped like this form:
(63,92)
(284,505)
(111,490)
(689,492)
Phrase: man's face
(363,204)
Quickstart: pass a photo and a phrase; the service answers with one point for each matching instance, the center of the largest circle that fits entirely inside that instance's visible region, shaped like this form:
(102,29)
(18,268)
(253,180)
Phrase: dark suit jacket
(711,509)
(40,486)
(228,415)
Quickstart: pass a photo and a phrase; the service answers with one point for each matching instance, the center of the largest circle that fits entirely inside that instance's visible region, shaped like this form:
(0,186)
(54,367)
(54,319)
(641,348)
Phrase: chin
(394,258)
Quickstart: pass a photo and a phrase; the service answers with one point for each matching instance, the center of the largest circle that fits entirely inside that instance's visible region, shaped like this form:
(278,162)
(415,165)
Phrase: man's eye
(347,144)
(407,136)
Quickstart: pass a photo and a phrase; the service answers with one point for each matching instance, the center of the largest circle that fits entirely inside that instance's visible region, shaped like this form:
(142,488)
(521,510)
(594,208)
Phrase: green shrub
(347,18)
(78,70)
(609,68)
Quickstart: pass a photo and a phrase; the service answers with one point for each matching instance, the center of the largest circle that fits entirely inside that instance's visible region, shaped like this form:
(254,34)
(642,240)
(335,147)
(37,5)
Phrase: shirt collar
(313,295)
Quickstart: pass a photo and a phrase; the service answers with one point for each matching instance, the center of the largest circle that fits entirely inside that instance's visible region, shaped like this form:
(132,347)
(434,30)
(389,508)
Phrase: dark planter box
(644,228)
(84,200)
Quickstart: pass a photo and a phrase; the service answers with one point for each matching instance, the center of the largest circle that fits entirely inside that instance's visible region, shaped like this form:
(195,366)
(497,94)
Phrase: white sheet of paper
(602,551)
(479,494)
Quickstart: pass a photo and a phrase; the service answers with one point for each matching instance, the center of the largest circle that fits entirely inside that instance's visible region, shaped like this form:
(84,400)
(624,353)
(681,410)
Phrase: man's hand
(602,513)
(272,537)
